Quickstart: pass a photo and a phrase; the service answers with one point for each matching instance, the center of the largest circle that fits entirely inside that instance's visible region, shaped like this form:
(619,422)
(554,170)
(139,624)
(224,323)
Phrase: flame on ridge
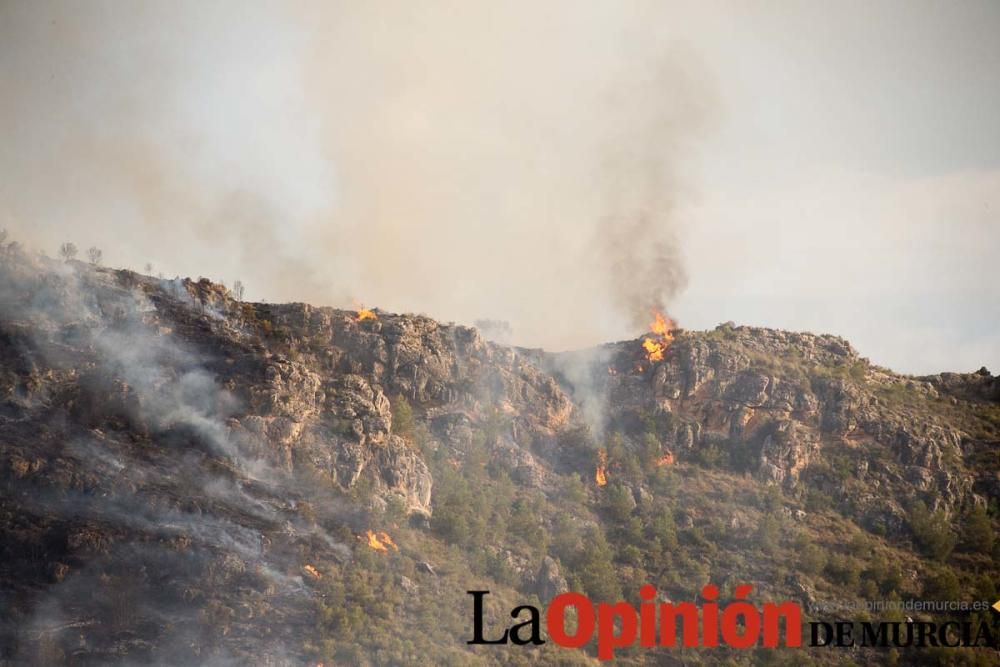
(662,329)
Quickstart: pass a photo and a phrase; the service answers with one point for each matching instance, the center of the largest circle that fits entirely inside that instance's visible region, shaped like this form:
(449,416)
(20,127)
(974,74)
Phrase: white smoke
(468,161)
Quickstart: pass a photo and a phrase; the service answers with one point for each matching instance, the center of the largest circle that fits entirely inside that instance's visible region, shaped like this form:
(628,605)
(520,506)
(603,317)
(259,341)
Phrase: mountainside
(188,479)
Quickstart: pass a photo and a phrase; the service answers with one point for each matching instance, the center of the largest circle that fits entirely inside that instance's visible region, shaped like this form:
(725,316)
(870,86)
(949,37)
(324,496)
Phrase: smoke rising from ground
(141,496)
(514,162)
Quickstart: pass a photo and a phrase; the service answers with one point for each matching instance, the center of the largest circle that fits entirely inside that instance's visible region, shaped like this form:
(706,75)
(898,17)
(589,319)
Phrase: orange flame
(380,541)
(310,570)
(666,460)
(374,542)
(654,350)
(366,314)
(663,330)
(662,326)
(600,475)
(387,540)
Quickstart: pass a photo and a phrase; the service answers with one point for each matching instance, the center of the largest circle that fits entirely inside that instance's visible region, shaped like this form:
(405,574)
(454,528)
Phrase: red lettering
(793,623)
(751,620)
(555,619)
(710,616)
(607,640)
(668,624)
(647,616)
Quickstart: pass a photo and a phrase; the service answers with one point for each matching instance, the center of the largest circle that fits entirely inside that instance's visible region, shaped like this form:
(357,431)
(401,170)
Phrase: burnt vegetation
(190,478)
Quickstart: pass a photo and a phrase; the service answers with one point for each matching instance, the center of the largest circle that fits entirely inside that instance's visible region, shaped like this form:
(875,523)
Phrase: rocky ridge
(137,411)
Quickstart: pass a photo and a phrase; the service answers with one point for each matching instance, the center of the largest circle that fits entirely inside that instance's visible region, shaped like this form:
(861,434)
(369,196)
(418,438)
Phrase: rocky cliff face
(448,372)
(159,436)
(806,412)
(293,385)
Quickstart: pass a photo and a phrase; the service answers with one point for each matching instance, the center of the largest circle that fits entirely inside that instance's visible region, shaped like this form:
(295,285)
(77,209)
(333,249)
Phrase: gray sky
(832,167)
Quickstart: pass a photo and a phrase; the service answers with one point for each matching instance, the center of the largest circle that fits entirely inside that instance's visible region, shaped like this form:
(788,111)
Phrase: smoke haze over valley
(317,316)
(564,168)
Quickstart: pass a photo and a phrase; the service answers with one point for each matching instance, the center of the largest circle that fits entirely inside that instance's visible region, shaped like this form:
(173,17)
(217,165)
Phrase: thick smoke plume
(494,161)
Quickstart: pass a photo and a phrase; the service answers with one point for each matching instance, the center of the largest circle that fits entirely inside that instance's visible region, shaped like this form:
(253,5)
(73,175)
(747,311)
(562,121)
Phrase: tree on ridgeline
(67,251)
(95,255)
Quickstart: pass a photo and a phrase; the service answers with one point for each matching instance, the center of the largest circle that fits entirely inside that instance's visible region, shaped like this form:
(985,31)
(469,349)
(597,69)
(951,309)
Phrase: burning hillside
(190,479)
(661,335)
(380,541)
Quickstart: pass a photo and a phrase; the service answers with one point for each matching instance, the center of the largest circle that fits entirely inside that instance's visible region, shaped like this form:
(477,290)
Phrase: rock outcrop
(162,422)
(804,412)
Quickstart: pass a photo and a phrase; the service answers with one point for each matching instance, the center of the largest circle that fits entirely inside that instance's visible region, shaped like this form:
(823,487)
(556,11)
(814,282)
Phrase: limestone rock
(549,582)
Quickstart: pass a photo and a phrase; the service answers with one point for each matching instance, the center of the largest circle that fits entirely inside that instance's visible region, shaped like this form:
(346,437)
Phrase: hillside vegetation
(187,478)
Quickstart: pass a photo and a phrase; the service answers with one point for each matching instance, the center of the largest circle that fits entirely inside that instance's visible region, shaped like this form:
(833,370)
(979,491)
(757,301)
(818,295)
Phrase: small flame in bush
(380,541)
(600,475)
(366,314)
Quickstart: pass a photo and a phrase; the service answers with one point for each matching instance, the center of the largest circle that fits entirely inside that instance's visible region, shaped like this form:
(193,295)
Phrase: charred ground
(189,479)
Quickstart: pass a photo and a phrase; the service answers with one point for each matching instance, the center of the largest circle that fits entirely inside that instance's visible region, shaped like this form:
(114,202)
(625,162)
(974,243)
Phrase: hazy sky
(819,166)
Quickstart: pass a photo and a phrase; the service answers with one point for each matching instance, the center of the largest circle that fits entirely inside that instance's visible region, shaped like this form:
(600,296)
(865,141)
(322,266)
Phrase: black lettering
(925,633)
(814,633)
(477,620)
(943,634)
(895,635)
(532,623)
(874,634)
(984,632)
(844,631)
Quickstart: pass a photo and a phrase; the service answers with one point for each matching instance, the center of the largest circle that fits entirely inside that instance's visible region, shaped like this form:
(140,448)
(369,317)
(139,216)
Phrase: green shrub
(573,489)
(403,422)
(618,502)
(812,560)
(594,570)
(844,570)
(978,534)
(932,531)
(769,534)
(942,584)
